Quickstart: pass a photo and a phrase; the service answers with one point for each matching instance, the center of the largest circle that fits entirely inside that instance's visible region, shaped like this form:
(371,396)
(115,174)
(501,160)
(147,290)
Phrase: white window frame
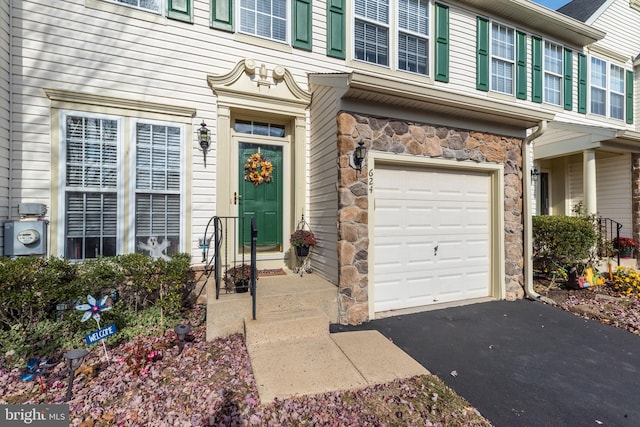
(287,37)
(132,242)
(394,31)
(494,56)
(547,72)
(125,189)
(62,177)
(608,90)
(612,92)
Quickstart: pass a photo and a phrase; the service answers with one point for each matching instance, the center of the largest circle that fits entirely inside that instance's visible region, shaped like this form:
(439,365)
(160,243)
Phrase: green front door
(263,200)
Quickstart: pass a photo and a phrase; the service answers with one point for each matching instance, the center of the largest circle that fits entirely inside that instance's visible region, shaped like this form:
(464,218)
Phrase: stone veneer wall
(418,139)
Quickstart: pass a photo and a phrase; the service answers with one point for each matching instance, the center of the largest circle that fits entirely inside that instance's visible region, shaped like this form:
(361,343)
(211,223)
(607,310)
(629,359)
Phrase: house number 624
(371,181)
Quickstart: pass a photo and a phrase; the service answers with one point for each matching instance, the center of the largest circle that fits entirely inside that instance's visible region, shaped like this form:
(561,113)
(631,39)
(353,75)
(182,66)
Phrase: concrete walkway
(291,349)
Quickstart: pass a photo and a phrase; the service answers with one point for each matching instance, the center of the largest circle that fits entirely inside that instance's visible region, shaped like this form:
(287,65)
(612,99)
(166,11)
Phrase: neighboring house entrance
(432,236)
(260,193)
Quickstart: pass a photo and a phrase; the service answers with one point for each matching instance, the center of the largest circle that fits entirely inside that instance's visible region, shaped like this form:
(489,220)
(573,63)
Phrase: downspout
(526,202)
(10,186)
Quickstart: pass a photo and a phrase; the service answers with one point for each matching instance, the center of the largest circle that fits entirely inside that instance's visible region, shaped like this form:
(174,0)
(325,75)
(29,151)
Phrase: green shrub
(562,241)
(32,287)
(147,295)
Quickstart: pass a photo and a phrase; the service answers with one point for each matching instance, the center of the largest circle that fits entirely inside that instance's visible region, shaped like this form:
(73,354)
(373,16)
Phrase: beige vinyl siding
(5,104)
(575,183)
(96,47)
(323,201)
(614,188)
(623,39)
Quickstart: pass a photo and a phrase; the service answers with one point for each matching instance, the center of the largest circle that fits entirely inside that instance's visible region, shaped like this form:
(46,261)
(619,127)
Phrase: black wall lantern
(534,174)
(205,140)
(358,156)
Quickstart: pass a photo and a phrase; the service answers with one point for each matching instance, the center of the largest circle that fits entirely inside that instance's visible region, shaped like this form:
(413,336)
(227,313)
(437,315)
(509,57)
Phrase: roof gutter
(526,201)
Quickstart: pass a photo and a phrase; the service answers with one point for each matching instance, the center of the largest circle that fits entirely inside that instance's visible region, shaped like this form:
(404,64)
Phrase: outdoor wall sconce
(181,332)
(534,174)
(358,156)
(74,360)
(205,140)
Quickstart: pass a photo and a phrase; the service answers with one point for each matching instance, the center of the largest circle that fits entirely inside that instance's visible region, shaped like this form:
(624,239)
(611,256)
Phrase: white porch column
(589,182)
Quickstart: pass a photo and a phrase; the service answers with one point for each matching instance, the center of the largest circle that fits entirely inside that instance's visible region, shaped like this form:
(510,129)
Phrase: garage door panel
(417,210)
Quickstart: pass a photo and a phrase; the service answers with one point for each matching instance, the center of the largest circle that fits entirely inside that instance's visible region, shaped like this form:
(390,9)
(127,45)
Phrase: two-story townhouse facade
(108,98)
(589,159)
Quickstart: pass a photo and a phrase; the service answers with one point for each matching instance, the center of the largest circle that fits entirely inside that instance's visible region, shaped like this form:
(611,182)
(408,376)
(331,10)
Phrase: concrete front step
(275,294)
(270,328)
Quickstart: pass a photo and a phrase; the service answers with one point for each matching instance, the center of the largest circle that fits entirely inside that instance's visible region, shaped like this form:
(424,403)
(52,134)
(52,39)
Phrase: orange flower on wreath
(258,169)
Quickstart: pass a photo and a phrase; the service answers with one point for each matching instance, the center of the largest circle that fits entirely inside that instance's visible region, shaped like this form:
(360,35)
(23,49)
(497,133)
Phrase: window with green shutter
(482,54)
(442,43)
(629,96)
(181,10)
(568,79)
(336,27)
(222,15)
(521,65)
(301,24)
(582,83)
(536,69)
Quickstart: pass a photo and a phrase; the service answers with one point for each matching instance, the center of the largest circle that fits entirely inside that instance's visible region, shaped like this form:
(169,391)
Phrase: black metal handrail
(609,231)
(228,232)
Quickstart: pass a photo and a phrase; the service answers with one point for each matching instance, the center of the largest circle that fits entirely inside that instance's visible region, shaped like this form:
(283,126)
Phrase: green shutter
(442,43)
(222,15)
(582,83)
(568,79)
(302,24)
(482,54)
(629,94)
(536,69)
(181,10)
(521,65)
(336,28)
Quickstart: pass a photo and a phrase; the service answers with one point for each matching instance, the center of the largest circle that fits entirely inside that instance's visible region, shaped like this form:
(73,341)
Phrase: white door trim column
(589,182)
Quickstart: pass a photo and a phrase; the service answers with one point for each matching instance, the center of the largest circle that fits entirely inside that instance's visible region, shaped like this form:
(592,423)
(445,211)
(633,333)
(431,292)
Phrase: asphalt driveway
(525,363)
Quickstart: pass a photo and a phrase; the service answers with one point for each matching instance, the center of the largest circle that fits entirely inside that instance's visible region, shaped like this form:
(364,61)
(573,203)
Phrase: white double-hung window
(91,186)
(264,18)
(93,180)
(553,69)
(158,183)
(503,57)
(413,36)
(616,92)
(372,31)
(607,92)
(381,24)
(598,91)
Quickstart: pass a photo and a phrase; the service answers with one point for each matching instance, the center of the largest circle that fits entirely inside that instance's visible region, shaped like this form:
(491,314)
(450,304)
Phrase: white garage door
(432,237)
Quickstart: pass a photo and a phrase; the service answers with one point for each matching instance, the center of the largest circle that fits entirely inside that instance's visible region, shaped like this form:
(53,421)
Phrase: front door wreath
(258,169)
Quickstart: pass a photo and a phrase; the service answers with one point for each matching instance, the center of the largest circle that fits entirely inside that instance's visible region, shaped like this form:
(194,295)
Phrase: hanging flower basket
(302,251)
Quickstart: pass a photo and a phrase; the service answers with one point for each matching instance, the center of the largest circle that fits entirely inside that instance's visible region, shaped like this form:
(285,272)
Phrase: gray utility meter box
(25,238)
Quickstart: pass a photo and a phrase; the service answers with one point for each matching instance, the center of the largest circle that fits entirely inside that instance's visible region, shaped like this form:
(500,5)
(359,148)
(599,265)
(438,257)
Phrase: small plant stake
(93,309)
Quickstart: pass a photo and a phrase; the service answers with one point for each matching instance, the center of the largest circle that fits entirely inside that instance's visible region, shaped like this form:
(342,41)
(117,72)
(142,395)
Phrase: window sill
(257,41)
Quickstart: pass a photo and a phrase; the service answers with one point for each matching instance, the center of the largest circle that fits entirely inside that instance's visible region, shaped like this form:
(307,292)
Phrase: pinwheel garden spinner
(93,309)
